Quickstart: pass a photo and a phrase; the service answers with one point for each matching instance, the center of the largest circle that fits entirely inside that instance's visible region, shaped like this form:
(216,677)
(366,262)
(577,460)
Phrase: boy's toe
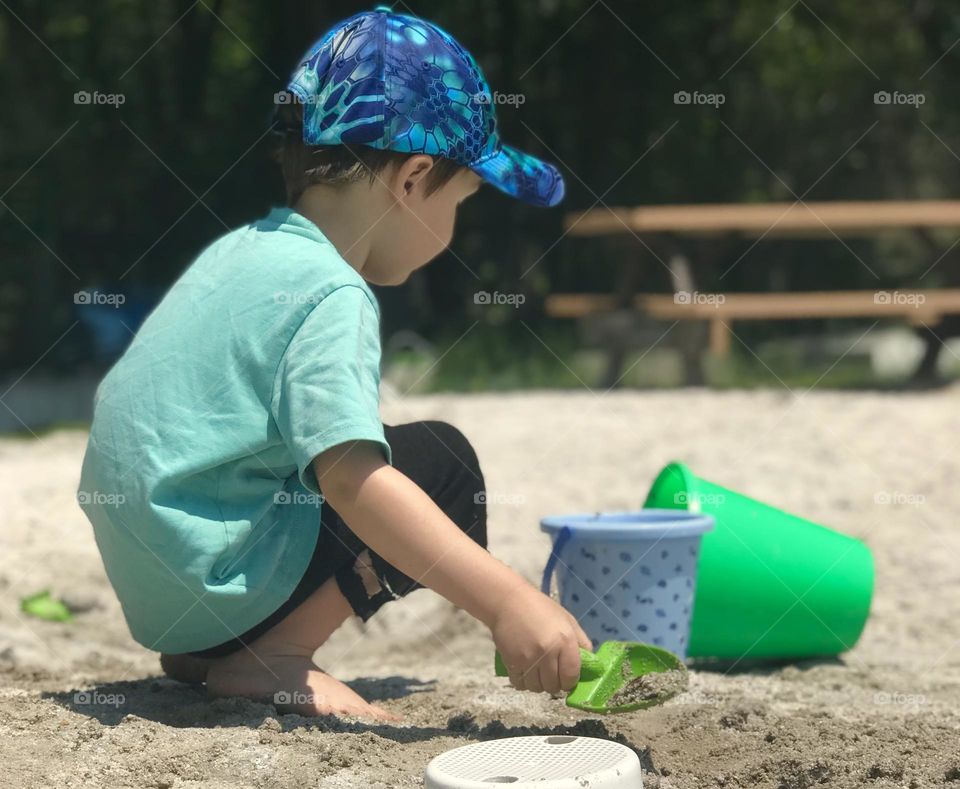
(385,715)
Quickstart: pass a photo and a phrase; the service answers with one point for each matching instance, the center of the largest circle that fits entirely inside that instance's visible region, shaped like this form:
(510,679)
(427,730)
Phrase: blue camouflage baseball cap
(400,83)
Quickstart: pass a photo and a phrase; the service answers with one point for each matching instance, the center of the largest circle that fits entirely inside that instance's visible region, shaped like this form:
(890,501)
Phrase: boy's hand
(539,642)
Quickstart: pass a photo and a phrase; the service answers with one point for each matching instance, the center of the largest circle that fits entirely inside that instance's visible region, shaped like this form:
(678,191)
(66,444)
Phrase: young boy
(259,500)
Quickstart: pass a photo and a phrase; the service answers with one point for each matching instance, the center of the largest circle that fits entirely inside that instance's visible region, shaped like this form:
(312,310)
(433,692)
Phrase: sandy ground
(881,467)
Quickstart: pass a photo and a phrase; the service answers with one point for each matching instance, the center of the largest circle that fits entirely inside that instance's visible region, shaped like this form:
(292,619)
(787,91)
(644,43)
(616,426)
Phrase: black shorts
(438,458)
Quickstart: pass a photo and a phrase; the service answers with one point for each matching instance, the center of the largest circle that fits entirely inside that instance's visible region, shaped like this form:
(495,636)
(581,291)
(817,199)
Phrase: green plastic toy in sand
(43,606)
(622,676)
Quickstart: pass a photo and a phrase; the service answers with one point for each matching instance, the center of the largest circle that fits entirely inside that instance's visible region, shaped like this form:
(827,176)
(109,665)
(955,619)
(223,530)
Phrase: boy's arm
(390,513)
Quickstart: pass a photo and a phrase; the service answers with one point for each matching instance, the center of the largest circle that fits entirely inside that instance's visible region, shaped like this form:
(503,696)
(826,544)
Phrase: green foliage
(129,195)
(489,358)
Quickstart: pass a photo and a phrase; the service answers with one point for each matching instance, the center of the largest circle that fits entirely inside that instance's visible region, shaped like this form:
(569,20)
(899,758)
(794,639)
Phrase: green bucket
(769,584)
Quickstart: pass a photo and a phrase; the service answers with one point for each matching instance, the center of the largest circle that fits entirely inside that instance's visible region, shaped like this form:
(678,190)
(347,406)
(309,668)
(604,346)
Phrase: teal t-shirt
(197,476)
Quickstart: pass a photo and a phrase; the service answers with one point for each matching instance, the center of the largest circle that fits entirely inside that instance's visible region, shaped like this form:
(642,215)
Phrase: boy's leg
(346,578)
(278,667)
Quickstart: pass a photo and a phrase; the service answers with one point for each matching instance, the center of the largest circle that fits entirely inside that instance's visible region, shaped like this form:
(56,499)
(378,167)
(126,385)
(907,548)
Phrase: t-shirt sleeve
(327,387)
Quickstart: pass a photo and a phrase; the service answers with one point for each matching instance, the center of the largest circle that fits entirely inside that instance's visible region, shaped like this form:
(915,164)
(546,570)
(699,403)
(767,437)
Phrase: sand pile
(656,687)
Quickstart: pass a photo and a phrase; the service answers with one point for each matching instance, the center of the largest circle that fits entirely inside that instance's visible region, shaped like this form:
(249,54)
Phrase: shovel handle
(590,665)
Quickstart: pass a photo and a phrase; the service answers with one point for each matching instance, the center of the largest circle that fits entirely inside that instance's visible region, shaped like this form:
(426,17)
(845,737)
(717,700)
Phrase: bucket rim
(675,471)
(647,523)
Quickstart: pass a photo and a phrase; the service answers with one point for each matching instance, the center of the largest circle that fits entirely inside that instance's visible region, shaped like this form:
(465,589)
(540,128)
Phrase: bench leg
(689,336)
(615,359)
(719,338)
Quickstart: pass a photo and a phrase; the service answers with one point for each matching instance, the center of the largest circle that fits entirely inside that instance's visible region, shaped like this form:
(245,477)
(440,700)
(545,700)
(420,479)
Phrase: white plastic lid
(545,762)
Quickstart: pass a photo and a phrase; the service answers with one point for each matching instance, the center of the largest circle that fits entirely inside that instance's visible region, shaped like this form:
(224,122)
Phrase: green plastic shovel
(622,676)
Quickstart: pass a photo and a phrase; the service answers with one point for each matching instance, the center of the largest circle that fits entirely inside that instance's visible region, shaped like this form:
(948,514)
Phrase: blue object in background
(111,317)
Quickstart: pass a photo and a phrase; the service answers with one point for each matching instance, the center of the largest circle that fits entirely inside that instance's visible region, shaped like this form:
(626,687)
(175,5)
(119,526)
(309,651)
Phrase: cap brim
(522,176)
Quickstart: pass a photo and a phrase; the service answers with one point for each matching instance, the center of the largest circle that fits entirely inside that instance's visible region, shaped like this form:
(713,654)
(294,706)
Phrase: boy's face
(415,227)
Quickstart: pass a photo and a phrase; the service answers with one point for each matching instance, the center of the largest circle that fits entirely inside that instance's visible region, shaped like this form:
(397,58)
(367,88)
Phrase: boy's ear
(412,172)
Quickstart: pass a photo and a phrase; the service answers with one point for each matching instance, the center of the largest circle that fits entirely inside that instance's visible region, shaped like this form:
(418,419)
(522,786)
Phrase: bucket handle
(563,537)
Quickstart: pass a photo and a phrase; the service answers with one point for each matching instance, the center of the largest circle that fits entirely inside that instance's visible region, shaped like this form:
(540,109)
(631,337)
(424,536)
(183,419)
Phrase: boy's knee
(452,476)
(453,439)
(473,522)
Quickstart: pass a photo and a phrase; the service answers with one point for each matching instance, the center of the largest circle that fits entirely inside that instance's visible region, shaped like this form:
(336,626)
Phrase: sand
(82,705)
(652,688)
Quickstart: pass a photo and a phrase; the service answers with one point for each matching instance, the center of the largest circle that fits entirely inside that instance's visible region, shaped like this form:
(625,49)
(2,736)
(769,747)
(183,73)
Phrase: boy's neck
(343,216)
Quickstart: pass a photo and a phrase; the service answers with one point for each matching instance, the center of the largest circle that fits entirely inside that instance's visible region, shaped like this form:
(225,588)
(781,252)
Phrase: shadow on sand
(178,705)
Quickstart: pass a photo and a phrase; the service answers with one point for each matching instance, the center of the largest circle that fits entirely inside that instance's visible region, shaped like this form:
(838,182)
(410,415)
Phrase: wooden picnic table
(790,219)
(774,220)
(917,307)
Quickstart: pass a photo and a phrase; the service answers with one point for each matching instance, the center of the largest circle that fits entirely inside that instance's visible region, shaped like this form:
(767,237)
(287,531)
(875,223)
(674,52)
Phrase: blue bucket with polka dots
(628,576)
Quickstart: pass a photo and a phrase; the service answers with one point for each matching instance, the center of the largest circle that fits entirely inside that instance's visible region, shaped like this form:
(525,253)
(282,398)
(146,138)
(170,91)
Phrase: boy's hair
(304,165)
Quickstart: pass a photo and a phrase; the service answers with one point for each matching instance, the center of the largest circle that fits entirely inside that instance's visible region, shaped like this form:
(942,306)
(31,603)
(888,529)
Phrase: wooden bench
(864,218)
(751,220)
(918,307)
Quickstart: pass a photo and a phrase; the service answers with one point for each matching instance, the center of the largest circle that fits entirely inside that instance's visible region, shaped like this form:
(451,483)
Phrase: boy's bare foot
(291,682)
(185,668)
(277,667)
